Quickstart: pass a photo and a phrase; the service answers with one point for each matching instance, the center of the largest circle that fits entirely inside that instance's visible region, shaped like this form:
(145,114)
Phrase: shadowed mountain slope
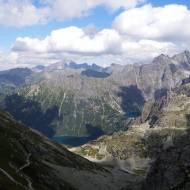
(29,161)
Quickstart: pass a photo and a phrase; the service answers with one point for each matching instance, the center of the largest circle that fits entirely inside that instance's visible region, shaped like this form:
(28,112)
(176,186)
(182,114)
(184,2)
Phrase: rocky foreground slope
(171,168)
(29,161)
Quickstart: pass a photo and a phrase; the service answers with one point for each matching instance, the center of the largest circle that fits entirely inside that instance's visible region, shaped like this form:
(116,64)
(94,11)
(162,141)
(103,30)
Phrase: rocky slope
(132,151)
(171,168)
(13,78)
(157,148)
(29,161)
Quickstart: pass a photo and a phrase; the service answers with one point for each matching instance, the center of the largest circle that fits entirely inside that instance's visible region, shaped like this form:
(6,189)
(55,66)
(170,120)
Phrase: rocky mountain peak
(183,58)
(187,52)
(57,66)
(162,59)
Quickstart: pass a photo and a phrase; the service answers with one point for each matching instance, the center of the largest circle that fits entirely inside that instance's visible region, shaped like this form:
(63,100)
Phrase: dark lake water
(93,134)
(72,141)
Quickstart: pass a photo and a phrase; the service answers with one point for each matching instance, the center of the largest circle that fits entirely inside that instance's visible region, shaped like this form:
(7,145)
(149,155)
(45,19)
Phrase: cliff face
(171,168)
(164,73)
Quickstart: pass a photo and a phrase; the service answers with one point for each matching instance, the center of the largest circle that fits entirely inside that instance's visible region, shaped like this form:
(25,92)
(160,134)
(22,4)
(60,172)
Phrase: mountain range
(85,97)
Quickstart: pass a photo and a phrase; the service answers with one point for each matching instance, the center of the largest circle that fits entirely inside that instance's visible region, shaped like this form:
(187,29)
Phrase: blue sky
(26,24)
(166,2)
(99,16)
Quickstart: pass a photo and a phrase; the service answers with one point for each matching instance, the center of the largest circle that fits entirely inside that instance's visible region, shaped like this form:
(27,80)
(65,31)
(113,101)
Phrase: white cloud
(138,34)
(62,9)
(145,50)
(73,40)
(74,43)
(21,13)
(126,4)
(74,8)
(69,43)
(170,22)
(30,44)
(8,60)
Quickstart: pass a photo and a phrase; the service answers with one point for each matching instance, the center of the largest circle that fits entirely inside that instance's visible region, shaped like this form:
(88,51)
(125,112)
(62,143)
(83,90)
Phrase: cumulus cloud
(74,8)
(138,34)
(170,22)
(8,60)
(126,4)
(21,13)
(144,50)
(70,43)
(73,40)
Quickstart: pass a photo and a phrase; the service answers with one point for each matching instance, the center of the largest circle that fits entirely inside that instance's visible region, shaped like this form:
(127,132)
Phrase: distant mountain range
(13,78)
(71,65)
